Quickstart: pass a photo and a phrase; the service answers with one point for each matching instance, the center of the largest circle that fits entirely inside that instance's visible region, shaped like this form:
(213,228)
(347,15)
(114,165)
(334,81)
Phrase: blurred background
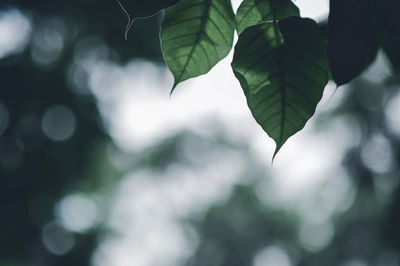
(99,166)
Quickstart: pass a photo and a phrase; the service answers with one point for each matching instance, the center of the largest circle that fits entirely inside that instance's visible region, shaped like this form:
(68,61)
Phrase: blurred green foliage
(37,171)
(365,234)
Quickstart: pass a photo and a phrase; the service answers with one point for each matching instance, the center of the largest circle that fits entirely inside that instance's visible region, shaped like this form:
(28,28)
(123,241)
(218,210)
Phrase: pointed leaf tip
(275,152)
(173,88)
(196,35)
(285,81)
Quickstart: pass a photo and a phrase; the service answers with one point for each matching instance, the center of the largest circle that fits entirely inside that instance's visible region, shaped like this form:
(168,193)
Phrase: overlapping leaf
(253,12)
(390,10)
(283,69)
(196,35)
(352,37)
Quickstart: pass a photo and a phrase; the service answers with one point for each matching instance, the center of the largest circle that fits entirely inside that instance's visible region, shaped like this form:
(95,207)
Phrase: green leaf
(253,12)
(283,70)
(390,10)
(352,37)
(196,35)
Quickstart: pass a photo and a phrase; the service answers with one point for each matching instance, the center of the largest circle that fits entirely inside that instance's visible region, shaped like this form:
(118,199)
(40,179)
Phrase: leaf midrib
(204,18)
(281,75)
(256,2)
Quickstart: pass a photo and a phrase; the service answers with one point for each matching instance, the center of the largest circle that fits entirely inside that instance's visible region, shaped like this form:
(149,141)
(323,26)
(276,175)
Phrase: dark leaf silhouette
(142,8)
(352,37)
(145,8)
(391,31)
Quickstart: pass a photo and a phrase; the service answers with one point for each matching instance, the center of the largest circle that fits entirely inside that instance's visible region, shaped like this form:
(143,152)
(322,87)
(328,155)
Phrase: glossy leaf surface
(352,37)
(253,12)
(283,70)
(196,35)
